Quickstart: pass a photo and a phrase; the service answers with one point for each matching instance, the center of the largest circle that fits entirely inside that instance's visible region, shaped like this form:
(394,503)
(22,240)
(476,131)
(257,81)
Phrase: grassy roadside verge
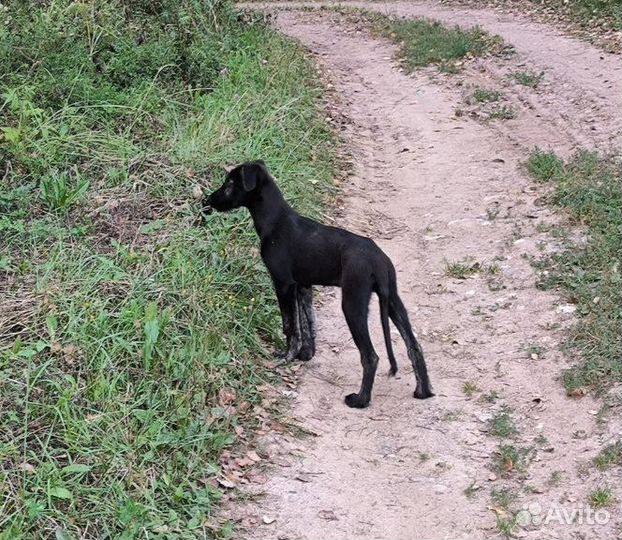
(589,188)
(129,332)
(597,21)
(424,42)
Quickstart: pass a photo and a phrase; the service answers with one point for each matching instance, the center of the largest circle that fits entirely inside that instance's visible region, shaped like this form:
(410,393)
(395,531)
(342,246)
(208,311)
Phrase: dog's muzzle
(207,206)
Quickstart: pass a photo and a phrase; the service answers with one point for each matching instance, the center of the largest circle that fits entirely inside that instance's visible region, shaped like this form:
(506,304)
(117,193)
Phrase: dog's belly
(318,273)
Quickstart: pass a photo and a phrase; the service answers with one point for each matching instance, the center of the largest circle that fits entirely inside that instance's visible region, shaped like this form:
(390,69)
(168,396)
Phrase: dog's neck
(267,209)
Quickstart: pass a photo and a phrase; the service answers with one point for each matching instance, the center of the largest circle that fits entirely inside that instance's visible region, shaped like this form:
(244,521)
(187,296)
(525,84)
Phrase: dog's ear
(252,174)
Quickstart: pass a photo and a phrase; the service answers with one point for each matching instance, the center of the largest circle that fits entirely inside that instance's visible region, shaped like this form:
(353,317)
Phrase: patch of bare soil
(434,187)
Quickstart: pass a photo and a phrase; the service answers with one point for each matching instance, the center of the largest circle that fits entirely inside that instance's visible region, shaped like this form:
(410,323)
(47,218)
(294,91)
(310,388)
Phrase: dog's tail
(383,297)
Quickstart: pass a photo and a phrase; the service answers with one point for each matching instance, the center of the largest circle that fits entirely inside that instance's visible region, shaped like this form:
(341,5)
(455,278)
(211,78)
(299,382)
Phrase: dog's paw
(306,353)
(423,394)
(356,402)
(278,354)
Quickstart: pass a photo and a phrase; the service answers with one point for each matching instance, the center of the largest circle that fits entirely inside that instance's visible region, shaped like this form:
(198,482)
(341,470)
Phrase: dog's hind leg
(399,316)
(307,323)
(383,298)
(355,304)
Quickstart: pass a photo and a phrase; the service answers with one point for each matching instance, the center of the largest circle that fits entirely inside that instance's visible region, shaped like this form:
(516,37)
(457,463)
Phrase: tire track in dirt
(424,183)
(576,105)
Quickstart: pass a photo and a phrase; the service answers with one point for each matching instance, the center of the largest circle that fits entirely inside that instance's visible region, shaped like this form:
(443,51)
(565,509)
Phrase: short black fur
(300,253)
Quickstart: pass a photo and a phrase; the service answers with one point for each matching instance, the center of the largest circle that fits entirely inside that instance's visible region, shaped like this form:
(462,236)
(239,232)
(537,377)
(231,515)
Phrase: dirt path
(432,187)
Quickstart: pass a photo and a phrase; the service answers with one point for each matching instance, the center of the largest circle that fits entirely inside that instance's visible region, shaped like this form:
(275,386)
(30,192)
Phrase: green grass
(610,456)
(506,525)
(602,497)
(130,332)
(425,42)
(608,12)
(528,78)
(462,269)
(544,166)
(468,267)
(510,458)
(503,498)
(502,424)
(589,188)
(485,95)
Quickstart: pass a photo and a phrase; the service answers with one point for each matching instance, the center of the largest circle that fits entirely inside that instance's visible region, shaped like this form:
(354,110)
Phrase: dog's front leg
(307,322)
(288,303)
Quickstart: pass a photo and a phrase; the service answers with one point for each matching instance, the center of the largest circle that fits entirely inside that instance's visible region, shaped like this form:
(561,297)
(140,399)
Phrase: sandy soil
(433,187)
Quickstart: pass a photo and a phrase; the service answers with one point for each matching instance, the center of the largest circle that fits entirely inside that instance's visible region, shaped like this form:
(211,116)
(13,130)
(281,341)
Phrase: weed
(492,269)
(509,458)
(535,351)
(506,525)
(502,424)
(490,397)
(544,166)
(462,269)
(453,416)
(609,456)
(503,500)
(423,457)
(602,497)
(59,191)
(503,497)
(528,78)
(555,478)
(541,440)
(503,112)
(471,490)
(470,388)
(483,95)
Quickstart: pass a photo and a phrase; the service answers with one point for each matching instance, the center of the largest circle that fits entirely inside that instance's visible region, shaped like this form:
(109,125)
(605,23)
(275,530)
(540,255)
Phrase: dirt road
(433,187)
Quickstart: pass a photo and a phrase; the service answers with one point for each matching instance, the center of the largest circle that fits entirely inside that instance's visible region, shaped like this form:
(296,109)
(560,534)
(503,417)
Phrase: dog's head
(240,187)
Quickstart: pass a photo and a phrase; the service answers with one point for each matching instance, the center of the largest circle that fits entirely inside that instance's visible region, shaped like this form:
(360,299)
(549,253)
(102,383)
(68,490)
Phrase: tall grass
(124,320)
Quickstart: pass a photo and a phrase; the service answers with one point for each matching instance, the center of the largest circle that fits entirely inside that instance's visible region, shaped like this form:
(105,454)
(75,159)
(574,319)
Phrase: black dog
(299,253)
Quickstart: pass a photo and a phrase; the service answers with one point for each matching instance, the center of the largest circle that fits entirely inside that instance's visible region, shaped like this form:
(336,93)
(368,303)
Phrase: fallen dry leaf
(253,456)
(258,478)
(226,396)
(226,483)
(25,466)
